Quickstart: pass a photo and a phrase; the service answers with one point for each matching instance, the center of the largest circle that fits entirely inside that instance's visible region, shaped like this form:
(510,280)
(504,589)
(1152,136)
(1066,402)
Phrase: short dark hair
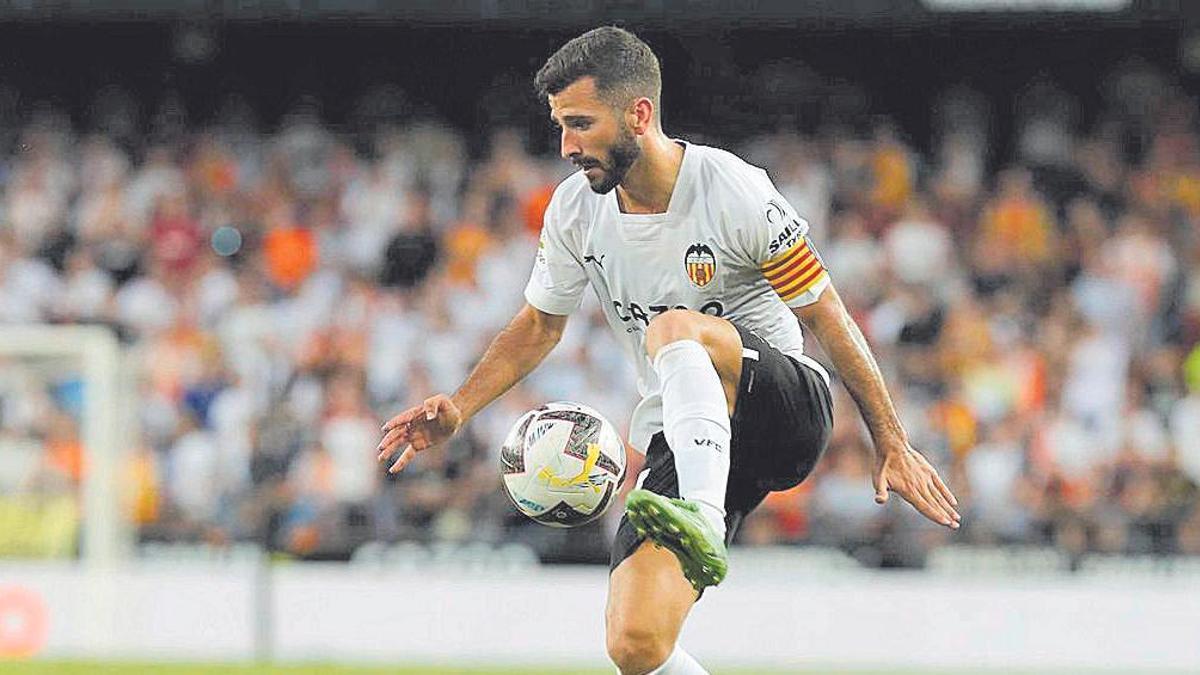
(624,67)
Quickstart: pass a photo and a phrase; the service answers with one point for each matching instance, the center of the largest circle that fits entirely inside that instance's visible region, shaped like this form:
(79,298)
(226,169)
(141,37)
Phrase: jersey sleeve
(557,281)
(778,243)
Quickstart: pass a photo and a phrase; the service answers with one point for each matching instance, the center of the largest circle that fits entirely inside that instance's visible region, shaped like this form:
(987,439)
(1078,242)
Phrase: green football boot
(678,525)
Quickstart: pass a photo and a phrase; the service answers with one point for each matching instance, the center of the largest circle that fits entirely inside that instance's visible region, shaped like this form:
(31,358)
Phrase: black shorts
(780,425)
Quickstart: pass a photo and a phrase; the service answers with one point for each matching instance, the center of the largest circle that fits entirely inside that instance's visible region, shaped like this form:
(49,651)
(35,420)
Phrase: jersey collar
(679,195)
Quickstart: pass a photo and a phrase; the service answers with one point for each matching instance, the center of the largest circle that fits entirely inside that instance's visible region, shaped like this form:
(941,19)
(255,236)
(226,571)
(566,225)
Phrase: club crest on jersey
(701,265)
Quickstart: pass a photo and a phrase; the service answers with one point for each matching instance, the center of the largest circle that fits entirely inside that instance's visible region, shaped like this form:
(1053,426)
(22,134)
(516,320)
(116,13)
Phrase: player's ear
(641,115)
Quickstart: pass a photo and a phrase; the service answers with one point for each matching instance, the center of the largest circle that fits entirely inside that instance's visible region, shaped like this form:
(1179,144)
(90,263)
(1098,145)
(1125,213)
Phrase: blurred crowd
(1034,302)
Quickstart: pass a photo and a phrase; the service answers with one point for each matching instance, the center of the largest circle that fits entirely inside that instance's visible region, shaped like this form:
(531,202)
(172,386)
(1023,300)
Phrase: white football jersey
(728,245)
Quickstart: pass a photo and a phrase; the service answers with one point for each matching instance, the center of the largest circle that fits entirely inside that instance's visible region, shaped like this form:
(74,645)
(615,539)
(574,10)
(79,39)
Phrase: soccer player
(702,269)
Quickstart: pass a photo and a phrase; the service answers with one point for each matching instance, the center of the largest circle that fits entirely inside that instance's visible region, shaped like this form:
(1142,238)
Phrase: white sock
(679,663)
(696,424)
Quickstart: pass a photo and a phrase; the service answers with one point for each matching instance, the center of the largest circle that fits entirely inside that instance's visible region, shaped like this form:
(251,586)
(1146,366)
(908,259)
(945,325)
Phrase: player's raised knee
(636,651)
(673,325)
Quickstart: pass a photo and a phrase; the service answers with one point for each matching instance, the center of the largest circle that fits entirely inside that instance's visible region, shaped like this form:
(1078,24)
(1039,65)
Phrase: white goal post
(104,426)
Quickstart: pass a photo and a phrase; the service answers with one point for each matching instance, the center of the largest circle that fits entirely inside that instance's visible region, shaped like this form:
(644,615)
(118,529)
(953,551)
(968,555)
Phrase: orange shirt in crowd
(956,420)
(893,178)
(789,511)
(291,255)
(1020,228)
(65,456)
(142,492)
(533,207)
(465,244)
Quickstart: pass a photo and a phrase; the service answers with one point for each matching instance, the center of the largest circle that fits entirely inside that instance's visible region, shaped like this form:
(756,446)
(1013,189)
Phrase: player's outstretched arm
(516,351)
(898,466)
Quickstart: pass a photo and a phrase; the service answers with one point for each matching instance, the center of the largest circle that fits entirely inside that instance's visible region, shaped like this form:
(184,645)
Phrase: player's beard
(621,157)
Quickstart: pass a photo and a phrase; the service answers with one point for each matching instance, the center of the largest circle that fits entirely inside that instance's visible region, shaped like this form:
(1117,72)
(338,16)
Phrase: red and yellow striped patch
(794,271)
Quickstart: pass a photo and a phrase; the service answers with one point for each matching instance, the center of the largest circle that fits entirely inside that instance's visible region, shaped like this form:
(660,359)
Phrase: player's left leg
(649,596)
(648,600)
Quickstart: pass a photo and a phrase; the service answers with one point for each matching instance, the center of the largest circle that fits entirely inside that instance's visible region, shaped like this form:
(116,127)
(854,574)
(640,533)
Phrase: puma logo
(593,259)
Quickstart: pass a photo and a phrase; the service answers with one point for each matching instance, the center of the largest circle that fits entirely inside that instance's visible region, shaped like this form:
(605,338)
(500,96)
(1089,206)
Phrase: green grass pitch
(114,668)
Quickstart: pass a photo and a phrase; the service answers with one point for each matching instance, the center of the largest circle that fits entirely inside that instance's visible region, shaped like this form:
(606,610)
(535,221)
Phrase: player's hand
(907,473)
(418,429)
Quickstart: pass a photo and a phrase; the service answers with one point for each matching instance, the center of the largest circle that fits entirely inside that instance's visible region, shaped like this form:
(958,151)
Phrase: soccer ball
(561,464)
